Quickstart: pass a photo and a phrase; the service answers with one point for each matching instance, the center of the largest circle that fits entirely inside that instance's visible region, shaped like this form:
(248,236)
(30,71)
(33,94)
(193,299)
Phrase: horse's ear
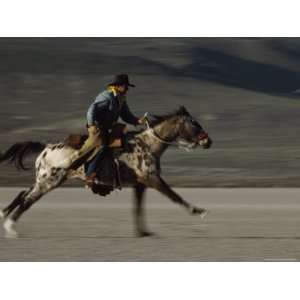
(182,111)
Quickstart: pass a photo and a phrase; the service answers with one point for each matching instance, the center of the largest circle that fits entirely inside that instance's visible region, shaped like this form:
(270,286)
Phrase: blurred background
(244,91)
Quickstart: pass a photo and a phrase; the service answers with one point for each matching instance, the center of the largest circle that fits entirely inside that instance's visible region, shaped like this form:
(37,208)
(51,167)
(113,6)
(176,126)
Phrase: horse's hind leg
(8,209)
(31,197)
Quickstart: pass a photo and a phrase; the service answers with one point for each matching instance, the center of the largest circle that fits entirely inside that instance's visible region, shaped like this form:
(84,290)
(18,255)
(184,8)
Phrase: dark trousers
(92,167)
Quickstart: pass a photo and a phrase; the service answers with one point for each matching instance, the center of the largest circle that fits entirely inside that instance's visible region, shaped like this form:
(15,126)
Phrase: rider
(102,114)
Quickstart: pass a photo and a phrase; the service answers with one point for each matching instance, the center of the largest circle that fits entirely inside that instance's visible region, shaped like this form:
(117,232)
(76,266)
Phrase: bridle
(179,144)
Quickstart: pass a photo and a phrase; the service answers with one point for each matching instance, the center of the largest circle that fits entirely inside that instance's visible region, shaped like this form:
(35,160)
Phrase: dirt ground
(71,224)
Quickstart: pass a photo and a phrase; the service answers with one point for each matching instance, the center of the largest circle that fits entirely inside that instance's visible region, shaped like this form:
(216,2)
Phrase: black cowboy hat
(121,79)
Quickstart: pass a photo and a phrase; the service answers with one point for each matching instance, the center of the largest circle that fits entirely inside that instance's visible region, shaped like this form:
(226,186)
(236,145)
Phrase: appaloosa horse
(139,167)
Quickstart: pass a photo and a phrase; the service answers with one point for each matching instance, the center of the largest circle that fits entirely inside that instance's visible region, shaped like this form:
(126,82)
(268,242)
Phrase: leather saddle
(76,141)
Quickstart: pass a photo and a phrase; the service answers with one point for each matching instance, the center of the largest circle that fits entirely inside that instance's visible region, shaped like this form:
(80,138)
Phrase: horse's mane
(157,119)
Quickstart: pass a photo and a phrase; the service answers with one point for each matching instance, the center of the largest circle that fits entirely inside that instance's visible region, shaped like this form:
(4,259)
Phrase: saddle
(76,141)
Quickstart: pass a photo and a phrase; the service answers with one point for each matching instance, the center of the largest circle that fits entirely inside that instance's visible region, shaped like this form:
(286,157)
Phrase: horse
(139,167)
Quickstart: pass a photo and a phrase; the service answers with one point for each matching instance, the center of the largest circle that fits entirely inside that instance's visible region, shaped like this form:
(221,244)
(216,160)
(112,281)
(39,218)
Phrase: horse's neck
(160,136)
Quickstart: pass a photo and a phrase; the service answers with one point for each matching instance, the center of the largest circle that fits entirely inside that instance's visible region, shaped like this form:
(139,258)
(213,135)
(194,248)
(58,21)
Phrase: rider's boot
(90,179)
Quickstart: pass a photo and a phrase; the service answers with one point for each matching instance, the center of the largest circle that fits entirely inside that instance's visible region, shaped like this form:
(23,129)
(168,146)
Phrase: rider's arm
(128,116)
(91,114)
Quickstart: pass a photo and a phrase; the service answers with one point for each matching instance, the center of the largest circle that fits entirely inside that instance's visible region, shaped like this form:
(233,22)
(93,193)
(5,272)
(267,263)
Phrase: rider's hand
(143,120)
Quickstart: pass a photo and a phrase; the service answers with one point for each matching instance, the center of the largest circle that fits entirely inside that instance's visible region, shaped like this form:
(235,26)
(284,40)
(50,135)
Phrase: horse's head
(191,131)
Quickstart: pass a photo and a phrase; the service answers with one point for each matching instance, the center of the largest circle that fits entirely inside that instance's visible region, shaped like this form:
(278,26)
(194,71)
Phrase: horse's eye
(195,123)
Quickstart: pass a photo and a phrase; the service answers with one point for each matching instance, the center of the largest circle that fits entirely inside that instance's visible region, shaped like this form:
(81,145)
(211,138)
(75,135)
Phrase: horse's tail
(17,152)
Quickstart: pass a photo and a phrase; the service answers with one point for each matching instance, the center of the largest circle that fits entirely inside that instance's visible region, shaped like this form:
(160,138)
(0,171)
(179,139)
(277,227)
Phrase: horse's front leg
(160,185)
(139,191)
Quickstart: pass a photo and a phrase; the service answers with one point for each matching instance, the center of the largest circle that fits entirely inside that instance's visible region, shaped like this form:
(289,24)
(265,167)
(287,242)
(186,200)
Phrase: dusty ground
(74,225)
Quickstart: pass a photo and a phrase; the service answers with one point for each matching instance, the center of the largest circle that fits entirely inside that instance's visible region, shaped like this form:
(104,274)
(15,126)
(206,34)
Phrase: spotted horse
(139,167)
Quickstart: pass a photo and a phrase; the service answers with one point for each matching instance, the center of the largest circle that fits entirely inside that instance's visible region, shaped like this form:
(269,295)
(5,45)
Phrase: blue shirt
(105,111)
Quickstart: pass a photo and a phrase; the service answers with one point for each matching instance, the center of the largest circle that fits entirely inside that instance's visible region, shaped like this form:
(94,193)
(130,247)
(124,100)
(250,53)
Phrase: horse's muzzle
(204,140)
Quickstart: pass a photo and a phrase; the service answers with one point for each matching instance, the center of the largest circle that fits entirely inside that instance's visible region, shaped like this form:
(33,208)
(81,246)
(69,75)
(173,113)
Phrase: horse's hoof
(2,215)
(199,211)
(203,214)
(145,234)
(9,227)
